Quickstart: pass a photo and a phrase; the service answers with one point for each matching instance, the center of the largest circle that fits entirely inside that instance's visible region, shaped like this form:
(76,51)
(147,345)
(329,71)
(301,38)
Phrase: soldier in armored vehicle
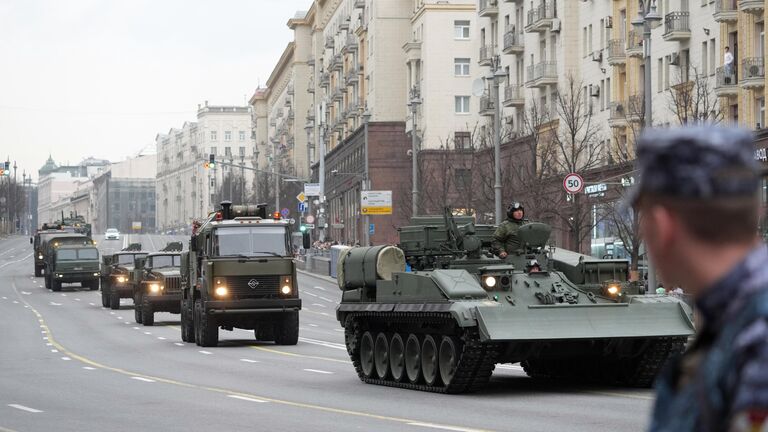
(505,238)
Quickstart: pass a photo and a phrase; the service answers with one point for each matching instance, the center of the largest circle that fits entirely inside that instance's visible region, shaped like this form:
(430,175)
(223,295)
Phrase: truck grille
(263,286)
(173,285)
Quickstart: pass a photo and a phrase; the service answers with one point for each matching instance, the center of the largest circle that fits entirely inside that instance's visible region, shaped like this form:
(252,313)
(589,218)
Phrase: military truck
(38,241)
(117,277)
(445,325)
(74,263)
(74,223)
(49,245)
(239,272)
(157,286)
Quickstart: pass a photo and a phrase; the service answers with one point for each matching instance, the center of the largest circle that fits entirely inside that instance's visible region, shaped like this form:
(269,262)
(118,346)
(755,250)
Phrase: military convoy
(444,326)
(157,284)
(117,275)
(239,272)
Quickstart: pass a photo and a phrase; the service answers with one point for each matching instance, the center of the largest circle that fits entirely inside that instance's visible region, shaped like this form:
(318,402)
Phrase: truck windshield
(251,241)
(129,259)
(77,254)
(164,261)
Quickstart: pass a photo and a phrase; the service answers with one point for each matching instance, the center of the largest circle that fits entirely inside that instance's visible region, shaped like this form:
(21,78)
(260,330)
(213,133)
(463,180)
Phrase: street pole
(366,181)
(414,105)
(321,176)
(497,142)
(277,178)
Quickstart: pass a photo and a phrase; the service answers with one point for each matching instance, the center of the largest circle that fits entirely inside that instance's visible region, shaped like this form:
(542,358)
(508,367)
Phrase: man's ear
(666,226)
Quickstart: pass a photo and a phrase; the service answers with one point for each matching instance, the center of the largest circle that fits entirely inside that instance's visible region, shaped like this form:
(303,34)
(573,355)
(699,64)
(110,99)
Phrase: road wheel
(413,358)
(205,327)
(55,285)
(137,309)
(104,297)
(429,366)
(448,359)
(381,355)
(147,315)
(397,357)
(114,299)
(47,281)
(187,323)
(94,285)
(287,332)
(366,354)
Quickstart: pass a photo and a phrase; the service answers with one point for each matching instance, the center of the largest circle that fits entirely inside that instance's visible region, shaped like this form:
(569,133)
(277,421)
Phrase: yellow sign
(376,202)
(376,210)
(301,197)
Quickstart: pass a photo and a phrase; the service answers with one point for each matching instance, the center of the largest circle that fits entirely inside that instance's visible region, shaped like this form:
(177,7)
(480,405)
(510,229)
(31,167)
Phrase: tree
(693,100)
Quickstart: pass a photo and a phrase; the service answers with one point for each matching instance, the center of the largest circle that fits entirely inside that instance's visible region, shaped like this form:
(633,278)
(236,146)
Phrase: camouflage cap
(696,163)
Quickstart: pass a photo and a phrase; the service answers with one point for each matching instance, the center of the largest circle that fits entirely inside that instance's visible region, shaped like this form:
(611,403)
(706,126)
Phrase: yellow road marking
(218,390)
(2,429)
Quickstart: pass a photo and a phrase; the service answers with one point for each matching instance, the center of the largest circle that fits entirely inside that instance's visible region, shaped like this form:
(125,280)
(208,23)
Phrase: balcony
(329,42)
(752,6)
(513,42)
(311,61)
(351,43)
(541,74)
(726,82)
(726,11)
(541,17)
(486,106)
(752,73)
(338,95)
(325,80)
(311,86)
(513,96)
(310,114)
(353,75)
(677,26)
(635,43)
(353,111)
(488,8)
(336,62)
(486,55)
(618,114)
(359,4)
(344,24)
(617,53)
(290,90)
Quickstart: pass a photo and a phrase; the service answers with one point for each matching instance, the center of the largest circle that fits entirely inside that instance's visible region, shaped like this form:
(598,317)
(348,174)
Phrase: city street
(70,365)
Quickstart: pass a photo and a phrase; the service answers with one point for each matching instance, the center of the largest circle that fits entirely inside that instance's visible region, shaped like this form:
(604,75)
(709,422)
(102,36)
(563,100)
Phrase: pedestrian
(728,66)
(699,209)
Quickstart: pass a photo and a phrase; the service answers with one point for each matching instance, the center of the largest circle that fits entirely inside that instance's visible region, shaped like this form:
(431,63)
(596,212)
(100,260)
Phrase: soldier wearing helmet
(505,239)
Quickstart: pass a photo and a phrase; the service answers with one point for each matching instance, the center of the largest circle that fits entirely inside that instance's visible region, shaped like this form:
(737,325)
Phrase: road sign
(302,207)
(136,225)
(301,197)
(285,212)
(312,189)
(573,183)
(309,225)
(310,219)
(371,229)
(376,202)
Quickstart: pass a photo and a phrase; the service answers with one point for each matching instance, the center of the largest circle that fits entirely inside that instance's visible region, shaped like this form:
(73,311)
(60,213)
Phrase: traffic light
(206,165)
(303,228)
(2,171)
(211,160)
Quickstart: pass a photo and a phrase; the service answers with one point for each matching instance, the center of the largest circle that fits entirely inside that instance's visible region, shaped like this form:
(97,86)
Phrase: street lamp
(646,17)
(496,74)
(274,172)
(366,178)
(414,101)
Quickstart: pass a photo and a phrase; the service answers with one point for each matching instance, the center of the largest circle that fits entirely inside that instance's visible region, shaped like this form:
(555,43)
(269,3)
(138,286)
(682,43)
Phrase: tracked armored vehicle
(445,325)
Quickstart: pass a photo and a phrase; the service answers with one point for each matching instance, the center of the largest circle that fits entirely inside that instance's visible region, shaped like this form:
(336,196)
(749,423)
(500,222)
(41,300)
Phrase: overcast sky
(101,78)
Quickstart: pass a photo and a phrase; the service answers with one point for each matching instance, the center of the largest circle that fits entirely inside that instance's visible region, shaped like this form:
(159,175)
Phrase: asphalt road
(67,364)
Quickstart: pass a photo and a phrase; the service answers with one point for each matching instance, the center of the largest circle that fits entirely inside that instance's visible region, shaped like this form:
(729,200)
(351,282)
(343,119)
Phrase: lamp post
(322,219)
(646,17)
(274,173)
(366,179)
(496,75)
(242,176)
(414,101)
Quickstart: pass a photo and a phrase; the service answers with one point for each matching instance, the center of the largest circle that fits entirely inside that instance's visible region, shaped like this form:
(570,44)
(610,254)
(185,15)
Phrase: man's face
(517,214)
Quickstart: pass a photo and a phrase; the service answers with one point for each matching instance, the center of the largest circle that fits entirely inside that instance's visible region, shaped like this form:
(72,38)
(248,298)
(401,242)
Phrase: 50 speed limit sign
(573,183)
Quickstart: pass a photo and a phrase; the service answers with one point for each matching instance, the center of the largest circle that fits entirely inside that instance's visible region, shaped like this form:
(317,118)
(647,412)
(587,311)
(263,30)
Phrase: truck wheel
(287,331)
(93,285)
(187,324)
(206,330)
(137,309)
(55,285)
(104,297)
(114,300)
(147,316)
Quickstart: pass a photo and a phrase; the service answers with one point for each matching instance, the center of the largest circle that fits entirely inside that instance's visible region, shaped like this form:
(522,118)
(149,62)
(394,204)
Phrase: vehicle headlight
(59,275)
(613,290)
(40,256)
(120,279)
(95,274)
(221,291)
(286,287)
(155,288)
(490,281)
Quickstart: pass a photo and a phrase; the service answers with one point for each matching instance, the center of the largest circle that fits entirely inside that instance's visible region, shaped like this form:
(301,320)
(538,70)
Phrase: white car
(112,234)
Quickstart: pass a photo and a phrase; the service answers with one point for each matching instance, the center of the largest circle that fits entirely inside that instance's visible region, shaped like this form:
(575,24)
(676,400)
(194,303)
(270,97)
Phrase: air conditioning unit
(597,56)
(555,24)
(594,90)
(620,108)
(609,22)
(674,59)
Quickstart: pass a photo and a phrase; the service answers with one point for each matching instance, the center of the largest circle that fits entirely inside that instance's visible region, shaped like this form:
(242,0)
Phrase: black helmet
(514,206)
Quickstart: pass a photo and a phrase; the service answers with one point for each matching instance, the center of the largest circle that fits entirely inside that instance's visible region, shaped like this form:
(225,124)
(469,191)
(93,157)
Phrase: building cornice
(466,7)
(286,60)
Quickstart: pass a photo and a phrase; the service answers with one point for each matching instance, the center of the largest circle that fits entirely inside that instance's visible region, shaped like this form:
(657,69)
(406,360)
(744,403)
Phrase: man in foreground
(698,203)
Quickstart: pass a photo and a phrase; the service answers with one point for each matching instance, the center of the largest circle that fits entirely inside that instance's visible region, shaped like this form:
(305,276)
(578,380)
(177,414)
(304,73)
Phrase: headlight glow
(40,256)
(221,291)
(286,289)
(613,290)
(121,279)
(490,281)
(95,274)
(155,288)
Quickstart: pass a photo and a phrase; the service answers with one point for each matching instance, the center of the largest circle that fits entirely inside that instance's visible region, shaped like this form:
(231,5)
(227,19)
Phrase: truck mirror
(306,241)
(31,240)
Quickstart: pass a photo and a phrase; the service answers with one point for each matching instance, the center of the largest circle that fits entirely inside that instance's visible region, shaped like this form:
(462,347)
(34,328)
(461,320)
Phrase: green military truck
(51,243)
(38,241)
(240,272)
(74,264)
(157,285)
(117,278)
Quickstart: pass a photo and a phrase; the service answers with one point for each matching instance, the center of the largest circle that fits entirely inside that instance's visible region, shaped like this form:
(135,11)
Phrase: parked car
(112,234)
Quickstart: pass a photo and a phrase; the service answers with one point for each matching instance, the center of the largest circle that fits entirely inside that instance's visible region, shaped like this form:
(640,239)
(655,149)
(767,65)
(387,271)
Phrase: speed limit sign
(573,183)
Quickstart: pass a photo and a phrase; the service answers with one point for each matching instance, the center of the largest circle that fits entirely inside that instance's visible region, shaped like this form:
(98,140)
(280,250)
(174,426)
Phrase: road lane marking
(120,318)
(312,294)
(92,304)
(313,325)
(89,368)
(147,333)
(25,408)
(77,299)
(290,354)
(16,302)
(319,371)
(63,295)
(161,338)
(324,343)
(26,293)
(326,299)
(245,398)
(318,304)
(178,344)
(136,328)
(442,427)
(320,288)
(205,352)
(65,358)
(127,323)
(52,304)
(249,361)
(54,350)
(138,378)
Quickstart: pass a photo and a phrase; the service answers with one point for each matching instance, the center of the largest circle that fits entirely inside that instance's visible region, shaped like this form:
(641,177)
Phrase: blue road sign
(371,229)
(302,207)
(285,212)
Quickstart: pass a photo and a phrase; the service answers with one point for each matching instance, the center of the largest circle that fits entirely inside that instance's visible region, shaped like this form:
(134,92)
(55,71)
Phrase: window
(584,45)
(227,135)
(462,104)
(590,38)
(461,29)
(712,56)
(242,135)
(759,113)
(607,92)
(462,140)
(463,178)
(213,150)
(242,151)
(666,72)
(461,66)
(704,59)
(227,151)
(213,136)
(660,75)
(602,95)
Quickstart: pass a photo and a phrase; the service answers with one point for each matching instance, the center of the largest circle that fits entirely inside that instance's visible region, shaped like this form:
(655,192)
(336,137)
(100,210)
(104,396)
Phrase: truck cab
(74,263)
(38,241)
(117,278)
(157,287)
(51,243)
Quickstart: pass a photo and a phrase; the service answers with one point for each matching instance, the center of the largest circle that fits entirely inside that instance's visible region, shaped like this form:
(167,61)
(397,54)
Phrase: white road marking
(89,368)
(77,299)
(249,361)
(136,328)
(323,313)
(26,307)
(5,298)
(320,288)
(111,313)
(63,295)
(49,344)
(143,379)
(128,323)
(52,304)
(319,371)
(15,302)
(339,330)
(147,333)
(54,350)
(161,338)
(24,408)
(205,352)
(26,293)
(178,344)
(92,304)
(313,325)
(318,304)
(437,426)
(43,331)
(247,398)
(66,358)
(119,318)
(323,343)
(312,294)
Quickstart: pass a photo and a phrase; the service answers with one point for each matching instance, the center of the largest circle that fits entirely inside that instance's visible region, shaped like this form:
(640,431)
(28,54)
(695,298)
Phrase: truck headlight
(40,256)
(490,281)
(155,288)
(221,291)
(612,290)
(59,275)
(286,285)
(95,274)
(120,279)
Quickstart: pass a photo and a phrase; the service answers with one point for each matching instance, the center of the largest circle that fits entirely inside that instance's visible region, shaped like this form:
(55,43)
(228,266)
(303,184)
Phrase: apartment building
(186,189)
(57,184)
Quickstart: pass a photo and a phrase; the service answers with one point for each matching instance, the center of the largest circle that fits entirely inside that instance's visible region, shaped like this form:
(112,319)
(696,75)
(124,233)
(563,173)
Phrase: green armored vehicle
(239,272)
(157,286)
(51,242)
(117,277)
(444,326)
(74,264)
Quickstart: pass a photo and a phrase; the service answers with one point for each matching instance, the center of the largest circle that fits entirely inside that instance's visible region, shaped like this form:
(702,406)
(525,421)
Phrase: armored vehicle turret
(444,325)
